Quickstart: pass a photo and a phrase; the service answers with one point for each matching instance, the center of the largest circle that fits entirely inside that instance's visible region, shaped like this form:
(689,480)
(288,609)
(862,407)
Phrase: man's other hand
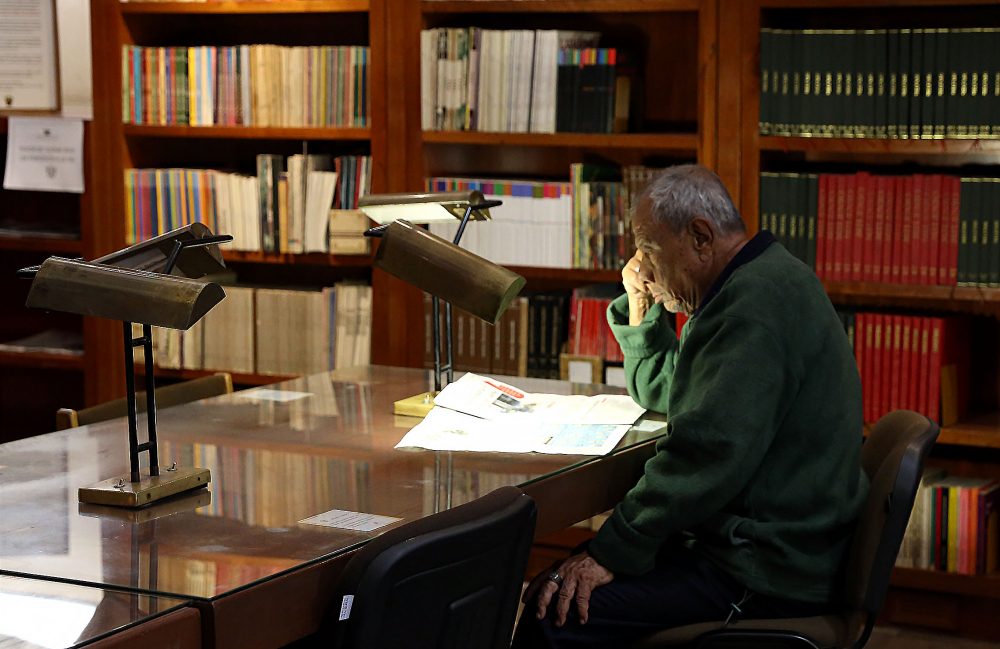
(578,576)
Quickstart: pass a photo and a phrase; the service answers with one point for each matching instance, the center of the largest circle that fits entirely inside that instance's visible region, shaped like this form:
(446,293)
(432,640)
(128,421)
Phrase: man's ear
(702,233)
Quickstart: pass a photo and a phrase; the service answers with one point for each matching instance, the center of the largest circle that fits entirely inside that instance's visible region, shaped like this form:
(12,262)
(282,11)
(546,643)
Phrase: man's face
(669,261)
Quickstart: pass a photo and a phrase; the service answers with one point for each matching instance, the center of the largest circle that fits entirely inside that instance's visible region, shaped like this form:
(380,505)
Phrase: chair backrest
(450,579)
(893,458)
(169,395)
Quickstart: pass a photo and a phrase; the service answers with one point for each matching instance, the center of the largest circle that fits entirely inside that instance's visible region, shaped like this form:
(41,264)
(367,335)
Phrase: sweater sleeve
(722,422)
(650,349)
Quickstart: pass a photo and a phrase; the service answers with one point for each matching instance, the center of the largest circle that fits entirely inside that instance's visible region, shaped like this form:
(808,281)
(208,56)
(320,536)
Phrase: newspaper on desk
(477,413)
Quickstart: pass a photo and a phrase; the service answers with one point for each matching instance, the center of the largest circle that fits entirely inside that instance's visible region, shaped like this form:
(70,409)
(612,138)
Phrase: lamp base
(149,489)
(416,406)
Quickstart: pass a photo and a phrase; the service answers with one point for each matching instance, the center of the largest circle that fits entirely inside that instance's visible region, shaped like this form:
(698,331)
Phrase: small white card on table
(345,520)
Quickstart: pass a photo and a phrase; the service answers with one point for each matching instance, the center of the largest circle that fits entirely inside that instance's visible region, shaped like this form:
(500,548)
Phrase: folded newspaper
(478,413)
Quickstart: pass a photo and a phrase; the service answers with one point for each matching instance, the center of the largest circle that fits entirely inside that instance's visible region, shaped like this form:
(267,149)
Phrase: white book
(320,188)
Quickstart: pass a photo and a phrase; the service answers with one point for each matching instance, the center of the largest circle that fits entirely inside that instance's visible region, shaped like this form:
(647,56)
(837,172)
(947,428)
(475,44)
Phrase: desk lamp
(439,267)
(153,283)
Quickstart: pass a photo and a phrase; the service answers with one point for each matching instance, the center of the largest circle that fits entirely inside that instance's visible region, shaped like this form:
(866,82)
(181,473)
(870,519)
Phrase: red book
(906,275)
(934,369)
(822,225)
(923,367)
(859,358)
(878,382)
(896,240)
(951,192)
(933,230)
(913,352)
(875,243)
(892,347)
(905,363)
(841,264)
(857,210)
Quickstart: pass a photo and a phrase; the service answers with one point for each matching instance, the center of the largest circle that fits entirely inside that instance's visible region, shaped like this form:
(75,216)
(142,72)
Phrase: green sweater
(761,462)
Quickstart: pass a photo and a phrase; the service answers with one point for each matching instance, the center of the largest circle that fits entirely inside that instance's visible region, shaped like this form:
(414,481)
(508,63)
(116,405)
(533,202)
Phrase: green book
(766,120)
(892,82)
(767,195)
(966,205)
(952,44)
(812,207)
(916,80)
(877,44)
(940,82)
(993,247)
(811,86)
(903,97)
(928,76)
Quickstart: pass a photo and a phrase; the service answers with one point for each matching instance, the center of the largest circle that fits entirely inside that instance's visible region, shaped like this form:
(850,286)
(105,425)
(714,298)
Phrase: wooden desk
(258,575)
(37,614)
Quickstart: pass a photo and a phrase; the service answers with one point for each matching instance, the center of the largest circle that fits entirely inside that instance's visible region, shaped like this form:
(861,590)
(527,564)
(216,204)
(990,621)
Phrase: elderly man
(748,506)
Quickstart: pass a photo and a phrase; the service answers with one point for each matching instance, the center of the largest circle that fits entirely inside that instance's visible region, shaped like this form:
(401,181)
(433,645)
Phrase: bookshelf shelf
(238,378)
(571,276)
(41,360)
(40,244)
(981,432)
(683,142)
(860,4)
(557,6)
(309,259)
(944,582)
(872,146)
(951,298)
(247,7)
(248,132)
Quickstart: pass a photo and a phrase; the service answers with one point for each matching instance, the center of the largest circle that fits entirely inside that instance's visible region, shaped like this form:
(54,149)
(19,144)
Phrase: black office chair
(451,579)
(893,457)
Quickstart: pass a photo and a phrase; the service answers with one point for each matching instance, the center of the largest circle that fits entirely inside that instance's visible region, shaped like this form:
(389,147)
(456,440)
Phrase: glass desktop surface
(36,614)
(300,448)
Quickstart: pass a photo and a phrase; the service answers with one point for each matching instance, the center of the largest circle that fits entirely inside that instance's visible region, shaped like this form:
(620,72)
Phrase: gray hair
(682,193)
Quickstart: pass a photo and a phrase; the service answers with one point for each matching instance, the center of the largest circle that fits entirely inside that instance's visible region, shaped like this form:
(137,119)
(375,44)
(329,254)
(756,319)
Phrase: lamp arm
(180,246)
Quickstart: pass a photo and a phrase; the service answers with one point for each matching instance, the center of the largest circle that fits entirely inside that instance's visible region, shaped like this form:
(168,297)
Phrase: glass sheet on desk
(447,430)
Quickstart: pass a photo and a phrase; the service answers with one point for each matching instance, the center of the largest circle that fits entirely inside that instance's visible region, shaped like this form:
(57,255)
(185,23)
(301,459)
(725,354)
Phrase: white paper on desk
(448,430)
(491,399)
(45,154)
(347,520)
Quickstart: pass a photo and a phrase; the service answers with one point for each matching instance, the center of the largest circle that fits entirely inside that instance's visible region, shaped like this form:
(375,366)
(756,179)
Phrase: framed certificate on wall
(28,61)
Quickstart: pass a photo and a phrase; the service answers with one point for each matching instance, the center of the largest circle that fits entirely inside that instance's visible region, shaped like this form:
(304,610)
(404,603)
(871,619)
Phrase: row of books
(589,332)
(245,85)
(919,229)
(954,525)
(895,83)
(526,342)
(911,362)
(579,224)
(538,81)
(284,208)
(275,331)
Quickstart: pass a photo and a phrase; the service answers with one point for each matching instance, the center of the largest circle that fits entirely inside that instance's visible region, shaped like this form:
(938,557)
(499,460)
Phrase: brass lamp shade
(441,268)
(152,254)
(93,289)
(423,208)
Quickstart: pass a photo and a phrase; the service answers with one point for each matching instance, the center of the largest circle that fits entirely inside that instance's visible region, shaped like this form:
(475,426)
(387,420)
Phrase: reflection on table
(36,614)
(277,456)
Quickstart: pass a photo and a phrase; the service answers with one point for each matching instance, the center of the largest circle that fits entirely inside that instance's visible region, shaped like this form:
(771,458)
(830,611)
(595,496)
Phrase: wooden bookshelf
(307,259)
(959,299)
(873,146)
(947,582)
(41,360)
(556,6)
(677,142)
(248,132)
(41,244)
(969,447)
(246,7)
